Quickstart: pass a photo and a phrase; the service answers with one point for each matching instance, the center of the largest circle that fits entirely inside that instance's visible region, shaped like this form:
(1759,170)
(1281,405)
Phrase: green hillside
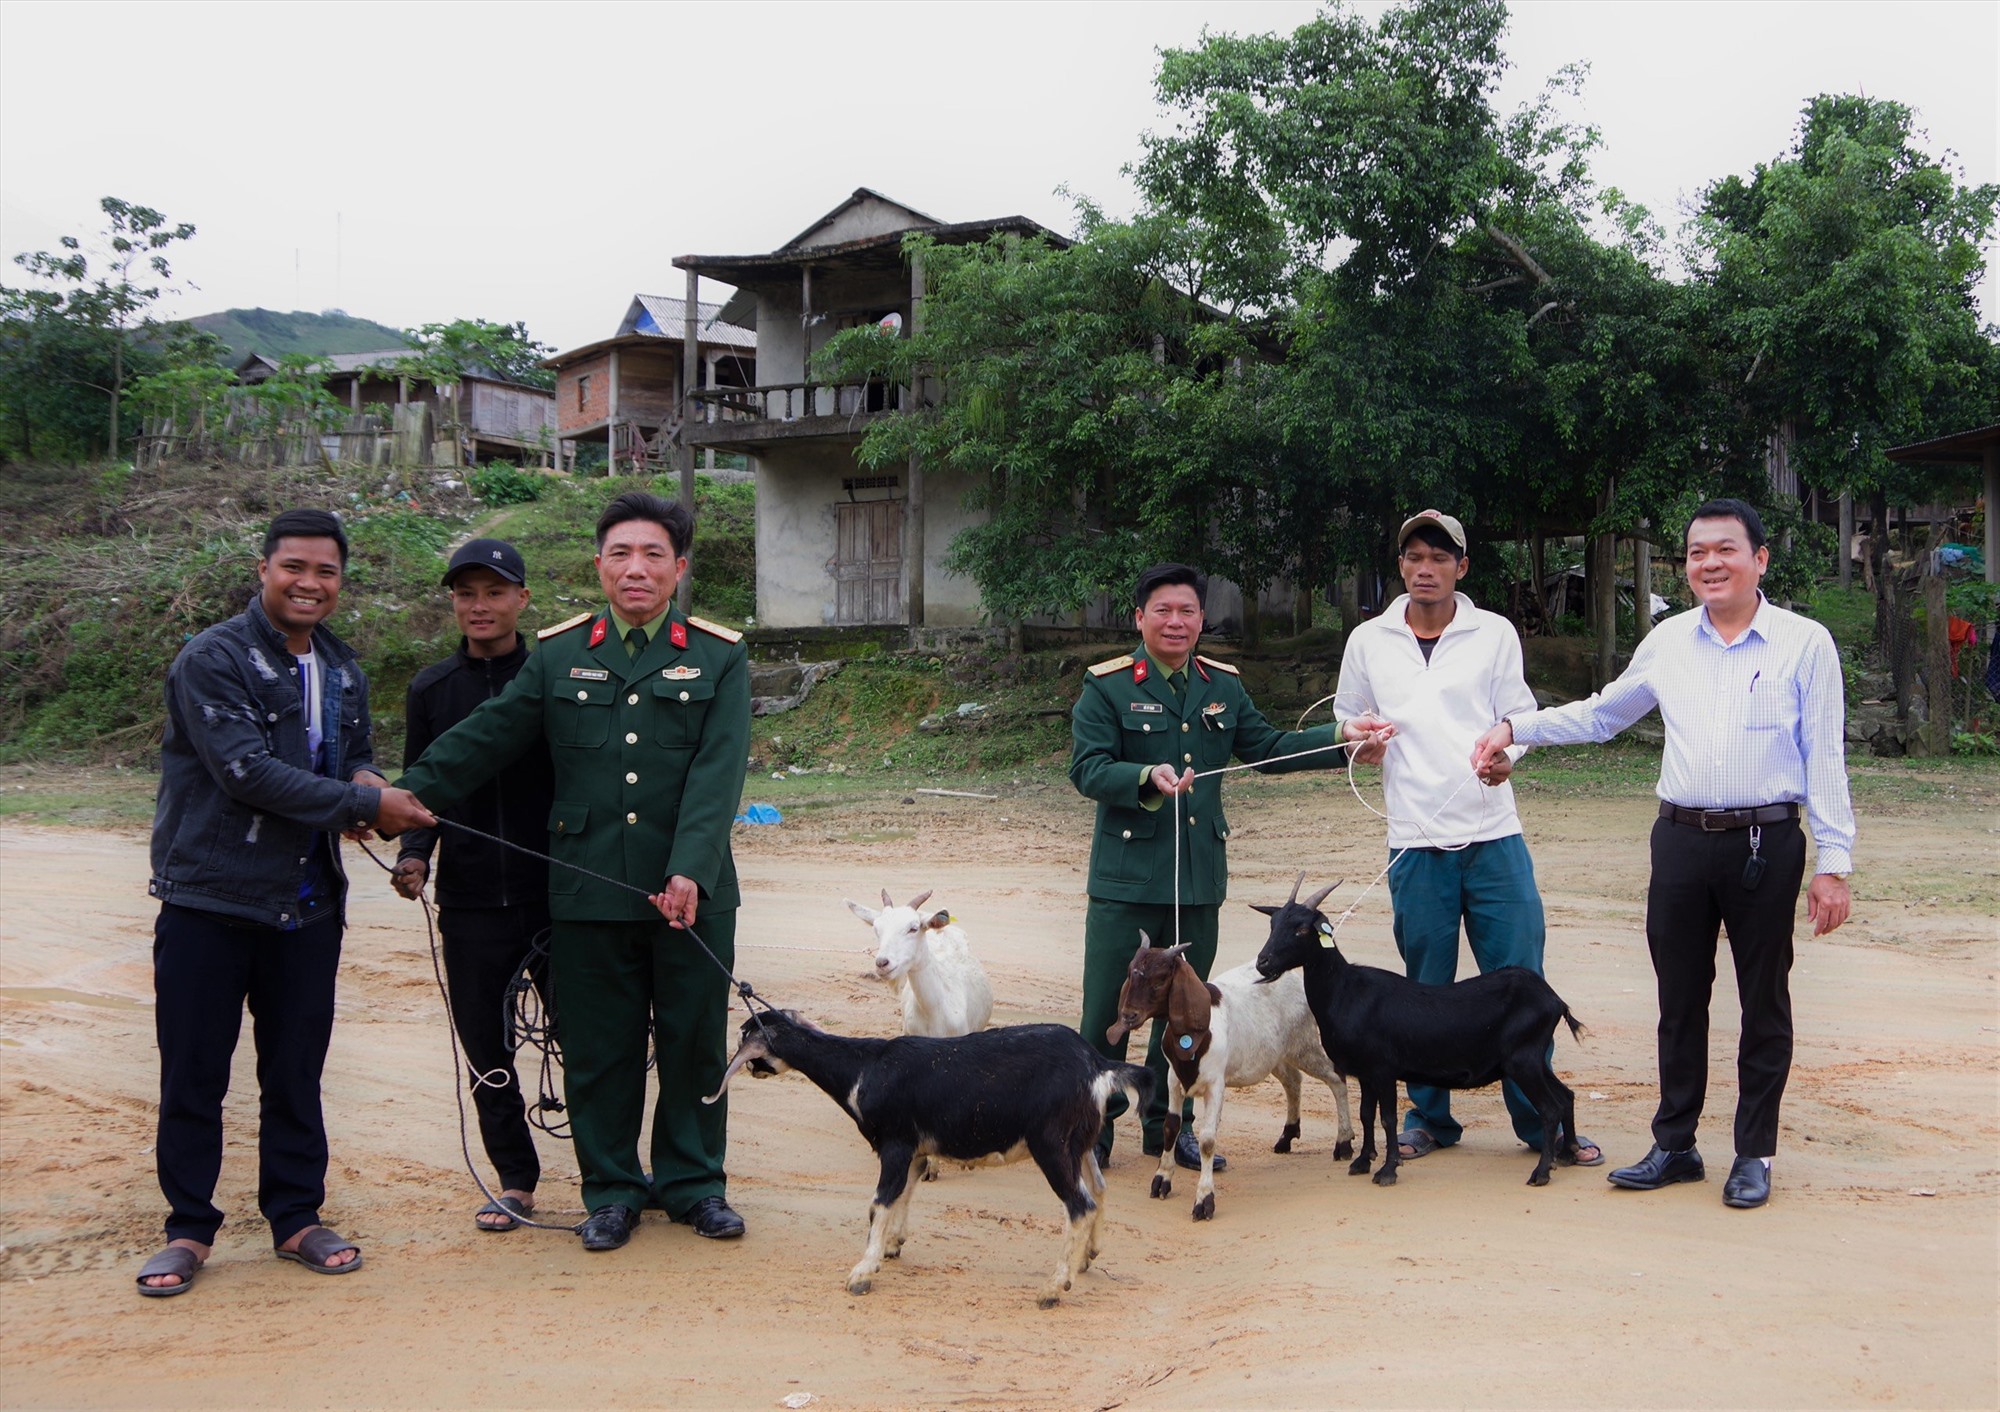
(247,331)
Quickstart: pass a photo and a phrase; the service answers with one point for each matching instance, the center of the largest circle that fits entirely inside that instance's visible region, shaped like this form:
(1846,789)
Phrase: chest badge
(680,673)
(1150,707)
(677,634)
(1213,708)
(589,674)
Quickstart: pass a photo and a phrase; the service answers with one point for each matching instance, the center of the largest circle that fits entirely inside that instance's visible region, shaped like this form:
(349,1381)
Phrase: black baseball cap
(495,554)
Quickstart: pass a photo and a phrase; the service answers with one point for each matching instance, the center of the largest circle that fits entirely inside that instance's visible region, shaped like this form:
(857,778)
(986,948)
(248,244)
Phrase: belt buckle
(1714,814)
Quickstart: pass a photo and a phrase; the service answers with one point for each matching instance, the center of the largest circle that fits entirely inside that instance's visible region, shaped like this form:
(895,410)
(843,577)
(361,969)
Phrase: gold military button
(1184,726)
(1187,759)
(684,696)
(631,777)
(631,818)
(631,737)
(1128,833)
(583,696)
(1190,818)
(1145,725)
(633,699)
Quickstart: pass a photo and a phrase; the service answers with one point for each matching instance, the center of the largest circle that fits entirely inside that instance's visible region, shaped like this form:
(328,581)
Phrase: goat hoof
(1342,1149)
(860,1286)
(1048,1301)
(1359,1166)
(1386,1177)
(1162,1186)
(930,1174)
(1538,1177)
(1283,1144)
(1204,1209)
(896,1254)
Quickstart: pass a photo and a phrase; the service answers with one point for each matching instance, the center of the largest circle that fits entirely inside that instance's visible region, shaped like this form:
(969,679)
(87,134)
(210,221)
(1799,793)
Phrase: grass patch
(1849,614)
(62,796)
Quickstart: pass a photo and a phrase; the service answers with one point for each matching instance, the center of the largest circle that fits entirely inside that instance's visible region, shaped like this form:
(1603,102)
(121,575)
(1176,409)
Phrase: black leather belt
(1721,820)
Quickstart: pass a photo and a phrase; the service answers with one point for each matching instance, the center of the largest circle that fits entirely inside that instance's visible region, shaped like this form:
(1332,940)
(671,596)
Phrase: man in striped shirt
(1751,698)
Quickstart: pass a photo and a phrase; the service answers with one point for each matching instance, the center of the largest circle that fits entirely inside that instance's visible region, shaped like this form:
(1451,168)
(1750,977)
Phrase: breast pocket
(1151,740)
(1769,708)
(580,714)
(680,710)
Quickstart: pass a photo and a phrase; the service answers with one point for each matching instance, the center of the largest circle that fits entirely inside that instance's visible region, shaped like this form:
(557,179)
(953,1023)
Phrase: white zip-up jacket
(1439,708)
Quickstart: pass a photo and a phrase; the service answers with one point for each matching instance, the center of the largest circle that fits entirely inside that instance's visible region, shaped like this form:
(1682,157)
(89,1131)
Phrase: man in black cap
(493,901)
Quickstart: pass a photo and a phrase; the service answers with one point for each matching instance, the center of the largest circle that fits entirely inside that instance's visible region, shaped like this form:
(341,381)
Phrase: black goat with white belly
(1383,1028)
(994,1097)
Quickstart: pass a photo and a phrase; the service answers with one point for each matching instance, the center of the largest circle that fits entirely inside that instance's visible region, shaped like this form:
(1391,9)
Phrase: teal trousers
(1491,888)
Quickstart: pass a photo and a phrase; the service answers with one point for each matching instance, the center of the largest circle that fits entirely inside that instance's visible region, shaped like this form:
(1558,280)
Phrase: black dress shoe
(1657,1169)
(608,1227)
(1749,1184)
(1187,1153)
(712,1217)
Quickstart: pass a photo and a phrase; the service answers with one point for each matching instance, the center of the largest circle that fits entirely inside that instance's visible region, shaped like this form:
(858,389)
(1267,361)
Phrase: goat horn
(1320,896)
(920,899)
(1179,950)
(1296,885)
(752,1048)
(887,901)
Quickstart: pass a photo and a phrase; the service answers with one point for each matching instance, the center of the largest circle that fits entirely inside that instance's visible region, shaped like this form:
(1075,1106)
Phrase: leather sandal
(320,1245)
(175,1260)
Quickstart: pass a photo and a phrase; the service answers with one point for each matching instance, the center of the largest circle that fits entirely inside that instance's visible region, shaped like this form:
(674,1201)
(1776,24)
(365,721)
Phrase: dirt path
(1870,1279)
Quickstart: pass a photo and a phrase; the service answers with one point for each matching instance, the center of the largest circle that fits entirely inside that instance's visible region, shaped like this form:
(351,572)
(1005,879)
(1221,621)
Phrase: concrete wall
(949,601)
(781,351)
(863,219)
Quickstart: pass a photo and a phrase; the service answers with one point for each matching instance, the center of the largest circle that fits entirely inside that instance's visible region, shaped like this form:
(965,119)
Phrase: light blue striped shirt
(1757,721)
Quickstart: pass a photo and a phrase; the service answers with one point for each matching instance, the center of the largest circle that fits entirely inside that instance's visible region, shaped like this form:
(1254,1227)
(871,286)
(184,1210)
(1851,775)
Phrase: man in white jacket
(1416,684)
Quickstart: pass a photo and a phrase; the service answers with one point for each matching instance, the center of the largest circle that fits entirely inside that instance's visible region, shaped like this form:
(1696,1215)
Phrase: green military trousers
(613,980)
(1110,939)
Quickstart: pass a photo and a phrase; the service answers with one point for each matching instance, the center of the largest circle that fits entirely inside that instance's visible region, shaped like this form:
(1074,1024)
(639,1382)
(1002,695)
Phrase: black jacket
(240,806)
(514,804)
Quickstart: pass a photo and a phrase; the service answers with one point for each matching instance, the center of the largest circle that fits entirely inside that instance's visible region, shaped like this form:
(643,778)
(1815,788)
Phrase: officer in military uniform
(1145,725)
(646,713)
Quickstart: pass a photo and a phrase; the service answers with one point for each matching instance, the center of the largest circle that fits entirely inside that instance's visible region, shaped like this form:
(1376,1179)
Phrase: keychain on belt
(1753,866)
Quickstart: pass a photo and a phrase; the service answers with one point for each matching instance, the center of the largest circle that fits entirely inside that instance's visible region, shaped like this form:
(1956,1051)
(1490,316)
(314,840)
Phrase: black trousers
(485,948)
(1697,886)
(205,967)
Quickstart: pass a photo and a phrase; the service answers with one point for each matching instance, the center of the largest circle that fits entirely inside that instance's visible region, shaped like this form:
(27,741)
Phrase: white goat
(1231,1032)
(943,989)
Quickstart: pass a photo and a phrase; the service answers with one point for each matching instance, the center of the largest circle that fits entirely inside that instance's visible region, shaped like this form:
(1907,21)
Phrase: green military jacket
(649,759)
(1129,720)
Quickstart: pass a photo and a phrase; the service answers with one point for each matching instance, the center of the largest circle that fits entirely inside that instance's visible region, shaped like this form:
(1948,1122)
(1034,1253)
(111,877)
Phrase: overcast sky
(411,162)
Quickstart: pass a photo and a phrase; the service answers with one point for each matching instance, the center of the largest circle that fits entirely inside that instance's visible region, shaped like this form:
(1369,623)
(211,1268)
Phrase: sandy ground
(1870,1279)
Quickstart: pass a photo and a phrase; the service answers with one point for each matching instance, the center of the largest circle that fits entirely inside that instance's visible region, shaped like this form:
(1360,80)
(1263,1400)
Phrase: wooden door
(868,563)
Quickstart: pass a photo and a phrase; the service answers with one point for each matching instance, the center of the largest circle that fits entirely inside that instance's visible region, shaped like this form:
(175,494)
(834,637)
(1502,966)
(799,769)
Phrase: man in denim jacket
(266,758)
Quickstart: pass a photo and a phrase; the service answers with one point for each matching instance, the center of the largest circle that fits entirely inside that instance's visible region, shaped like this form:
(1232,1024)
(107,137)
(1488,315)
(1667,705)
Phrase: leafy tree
(103,295)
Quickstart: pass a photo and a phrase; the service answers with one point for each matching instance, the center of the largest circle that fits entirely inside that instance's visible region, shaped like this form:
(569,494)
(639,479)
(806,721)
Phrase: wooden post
(1845,557)
(913,520)
(1991,457)
(1937,655)
(1642,584)
(1604,590)
(690,374)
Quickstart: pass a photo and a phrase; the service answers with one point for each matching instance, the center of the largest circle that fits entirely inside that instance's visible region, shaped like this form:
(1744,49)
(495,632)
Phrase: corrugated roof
(664,316)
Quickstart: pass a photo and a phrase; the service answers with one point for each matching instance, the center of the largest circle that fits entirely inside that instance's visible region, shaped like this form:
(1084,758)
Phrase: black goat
(994,1096)
(1383,1028)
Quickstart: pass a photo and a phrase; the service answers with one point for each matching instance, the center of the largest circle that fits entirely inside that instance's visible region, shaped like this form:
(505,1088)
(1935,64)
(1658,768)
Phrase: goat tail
(1136,1080)
(1577,1028)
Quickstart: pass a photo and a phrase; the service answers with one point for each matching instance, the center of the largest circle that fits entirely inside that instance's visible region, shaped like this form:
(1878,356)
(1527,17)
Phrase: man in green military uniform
(1144,727)
(647,717)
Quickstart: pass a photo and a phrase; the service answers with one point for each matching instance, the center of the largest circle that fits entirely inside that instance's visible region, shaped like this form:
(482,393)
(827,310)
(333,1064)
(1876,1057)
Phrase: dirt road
(1870,1279)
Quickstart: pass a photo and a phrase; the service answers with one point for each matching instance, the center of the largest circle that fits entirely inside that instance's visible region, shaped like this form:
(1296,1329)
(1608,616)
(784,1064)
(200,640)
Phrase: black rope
(528,1017)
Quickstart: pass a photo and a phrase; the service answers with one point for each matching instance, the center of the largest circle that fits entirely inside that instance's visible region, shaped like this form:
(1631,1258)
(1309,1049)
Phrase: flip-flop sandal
(319,1246)
(510,1207)
(174,1260)
(1563,1158)
(1418,1140)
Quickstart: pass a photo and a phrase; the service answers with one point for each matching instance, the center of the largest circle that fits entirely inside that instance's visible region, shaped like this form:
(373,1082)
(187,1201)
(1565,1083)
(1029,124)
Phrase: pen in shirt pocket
(1753,680)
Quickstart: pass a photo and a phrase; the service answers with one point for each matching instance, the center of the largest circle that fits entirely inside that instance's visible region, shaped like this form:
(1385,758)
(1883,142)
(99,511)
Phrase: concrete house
(838,544)
(625,391)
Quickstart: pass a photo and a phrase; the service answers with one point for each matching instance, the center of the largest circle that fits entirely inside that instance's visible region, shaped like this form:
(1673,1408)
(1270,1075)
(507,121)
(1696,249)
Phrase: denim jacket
(239,800)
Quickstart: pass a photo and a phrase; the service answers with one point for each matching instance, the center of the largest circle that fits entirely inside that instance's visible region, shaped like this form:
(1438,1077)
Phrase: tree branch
(1520,253)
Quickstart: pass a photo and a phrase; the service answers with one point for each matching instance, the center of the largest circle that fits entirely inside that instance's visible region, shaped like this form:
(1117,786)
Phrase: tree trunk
(1878,557)
(1937,659)
(1642,585)
(1604,591)
(1845,557)
(1537,562)
(117,388)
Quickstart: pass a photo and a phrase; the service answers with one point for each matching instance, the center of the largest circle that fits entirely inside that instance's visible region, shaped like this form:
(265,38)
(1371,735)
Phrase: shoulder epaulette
(564,626)
(1115,664)
(716,629)
(1219,666)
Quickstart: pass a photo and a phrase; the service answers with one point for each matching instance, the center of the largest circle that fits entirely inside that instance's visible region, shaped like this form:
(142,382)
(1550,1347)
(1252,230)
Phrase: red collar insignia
(1139,671)
(597,631)
(1199,668)
(677,634)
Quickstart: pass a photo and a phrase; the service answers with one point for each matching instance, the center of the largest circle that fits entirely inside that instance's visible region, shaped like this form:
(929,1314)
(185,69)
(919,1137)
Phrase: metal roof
(1962,447)
(664,316)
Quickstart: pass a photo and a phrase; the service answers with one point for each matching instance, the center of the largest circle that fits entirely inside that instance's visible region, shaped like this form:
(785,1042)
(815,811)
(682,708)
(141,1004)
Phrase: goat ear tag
(1187,1041)
(1326,935)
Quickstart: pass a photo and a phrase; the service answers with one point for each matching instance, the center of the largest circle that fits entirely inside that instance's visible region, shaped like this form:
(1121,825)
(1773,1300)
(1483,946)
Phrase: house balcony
(796,413)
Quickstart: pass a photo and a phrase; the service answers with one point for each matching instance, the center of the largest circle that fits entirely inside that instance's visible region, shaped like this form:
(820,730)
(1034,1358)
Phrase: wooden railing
(794,401)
